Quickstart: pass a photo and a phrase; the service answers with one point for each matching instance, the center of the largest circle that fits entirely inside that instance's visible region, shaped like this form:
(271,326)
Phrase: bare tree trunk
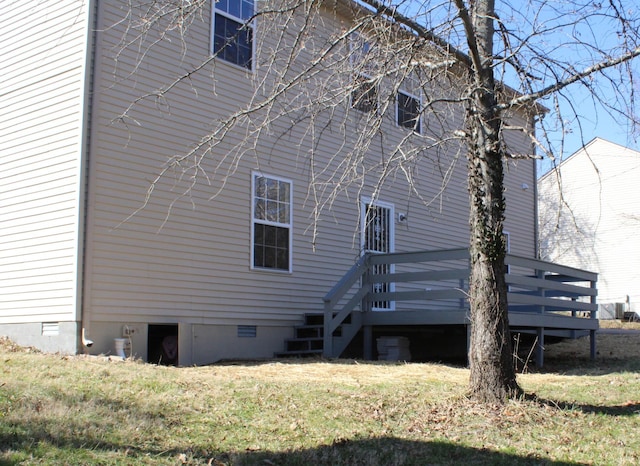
(493,377)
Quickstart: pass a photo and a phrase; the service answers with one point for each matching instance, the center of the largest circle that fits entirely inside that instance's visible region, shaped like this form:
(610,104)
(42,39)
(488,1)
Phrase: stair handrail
(535,286)
(333,319)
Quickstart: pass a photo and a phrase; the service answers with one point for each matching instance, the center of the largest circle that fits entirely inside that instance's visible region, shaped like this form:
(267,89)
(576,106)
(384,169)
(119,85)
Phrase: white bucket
(119,347)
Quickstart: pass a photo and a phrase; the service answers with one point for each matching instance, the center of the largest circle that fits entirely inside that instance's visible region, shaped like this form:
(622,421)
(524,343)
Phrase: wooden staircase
(308,339)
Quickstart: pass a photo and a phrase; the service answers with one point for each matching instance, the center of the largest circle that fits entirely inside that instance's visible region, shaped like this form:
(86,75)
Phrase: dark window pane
(270,235)
(258,258)
(282,259)
(271,247)
(365,95)
(258,234)
(244,56)
(232,41)
(270,257)
(282,237)
(408,112)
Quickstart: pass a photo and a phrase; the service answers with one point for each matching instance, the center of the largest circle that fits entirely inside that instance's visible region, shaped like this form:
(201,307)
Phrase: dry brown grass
(88,410)
(621,324)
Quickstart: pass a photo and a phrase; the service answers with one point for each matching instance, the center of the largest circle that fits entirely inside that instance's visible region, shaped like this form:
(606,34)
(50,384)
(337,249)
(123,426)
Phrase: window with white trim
(271,223)
(232,34)
(364,96)
(361,52)
(408,111)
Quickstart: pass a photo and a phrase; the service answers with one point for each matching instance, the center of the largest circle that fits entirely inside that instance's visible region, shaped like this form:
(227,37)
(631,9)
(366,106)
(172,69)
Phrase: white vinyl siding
(594,199)
(43,54)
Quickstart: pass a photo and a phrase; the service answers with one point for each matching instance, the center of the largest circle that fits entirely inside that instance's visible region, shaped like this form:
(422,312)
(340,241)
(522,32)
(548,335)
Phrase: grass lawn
(89,410)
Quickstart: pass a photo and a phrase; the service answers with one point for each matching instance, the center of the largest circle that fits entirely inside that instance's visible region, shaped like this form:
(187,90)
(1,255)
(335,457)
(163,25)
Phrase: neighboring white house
(220,274)
(590,218)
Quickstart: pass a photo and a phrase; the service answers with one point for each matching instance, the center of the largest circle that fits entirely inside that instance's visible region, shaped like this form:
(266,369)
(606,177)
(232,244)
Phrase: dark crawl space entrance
(162,344)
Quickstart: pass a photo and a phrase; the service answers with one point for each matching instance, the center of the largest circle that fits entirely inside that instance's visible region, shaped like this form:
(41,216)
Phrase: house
(223,257)
(590,218)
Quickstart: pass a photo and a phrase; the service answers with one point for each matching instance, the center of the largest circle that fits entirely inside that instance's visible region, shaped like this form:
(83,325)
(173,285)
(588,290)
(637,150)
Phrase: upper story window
(272,229)
(408,111)
(360,54)
(364,96)
(232,35)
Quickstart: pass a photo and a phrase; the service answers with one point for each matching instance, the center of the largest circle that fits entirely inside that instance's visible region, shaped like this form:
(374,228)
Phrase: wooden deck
(429,288)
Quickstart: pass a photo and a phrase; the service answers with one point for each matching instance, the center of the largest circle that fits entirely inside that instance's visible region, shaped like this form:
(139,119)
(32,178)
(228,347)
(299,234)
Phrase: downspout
(536,233)
(83,185)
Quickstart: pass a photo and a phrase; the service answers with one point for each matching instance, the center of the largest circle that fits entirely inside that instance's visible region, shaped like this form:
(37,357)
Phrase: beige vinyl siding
(43,55)
(192,264)
(520,191)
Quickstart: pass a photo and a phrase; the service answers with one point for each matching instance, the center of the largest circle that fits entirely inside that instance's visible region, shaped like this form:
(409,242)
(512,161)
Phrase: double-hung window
(408,111)
(271,222)
(232,33)
(364,96)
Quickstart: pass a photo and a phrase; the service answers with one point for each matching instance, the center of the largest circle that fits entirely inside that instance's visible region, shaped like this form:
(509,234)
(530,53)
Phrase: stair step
(309,331)
(314,319)
(299,354)
(318,319)
(309,337)
(304,344)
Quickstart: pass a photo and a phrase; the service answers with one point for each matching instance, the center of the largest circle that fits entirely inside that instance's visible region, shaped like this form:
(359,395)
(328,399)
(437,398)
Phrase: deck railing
(540,294)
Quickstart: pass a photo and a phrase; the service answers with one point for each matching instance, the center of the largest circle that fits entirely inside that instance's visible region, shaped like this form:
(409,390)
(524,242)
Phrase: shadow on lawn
(387,451)
(627,409)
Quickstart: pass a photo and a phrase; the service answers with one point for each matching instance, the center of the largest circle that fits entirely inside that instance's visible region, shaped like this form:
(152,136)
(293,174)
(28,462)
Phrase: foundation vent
(50,329)
(247,331)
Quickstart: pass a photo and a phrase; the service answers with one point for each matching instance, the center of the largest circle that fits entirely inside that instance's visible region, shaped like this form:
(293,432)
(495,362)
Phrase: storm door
(378,237)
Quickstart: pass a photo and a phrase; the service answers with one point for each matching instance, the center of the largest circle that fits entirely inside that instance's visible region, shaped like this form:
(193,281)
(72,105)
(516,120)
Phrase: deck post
(541,274)
(592,333)
(468,328)
(540,347)
(327,344)
(592,344)
(367,330)
(367,333)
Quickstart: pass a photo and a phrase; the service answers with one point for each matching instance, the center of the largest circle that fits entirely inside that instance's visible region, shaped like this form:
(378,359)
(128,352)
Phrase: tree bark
(492,372)
(492,377)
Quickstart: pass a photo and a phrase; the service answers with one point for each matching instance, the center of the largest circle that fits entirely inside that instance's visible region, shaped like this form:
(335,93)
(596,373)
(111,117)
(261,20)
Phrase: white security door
(378,237)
